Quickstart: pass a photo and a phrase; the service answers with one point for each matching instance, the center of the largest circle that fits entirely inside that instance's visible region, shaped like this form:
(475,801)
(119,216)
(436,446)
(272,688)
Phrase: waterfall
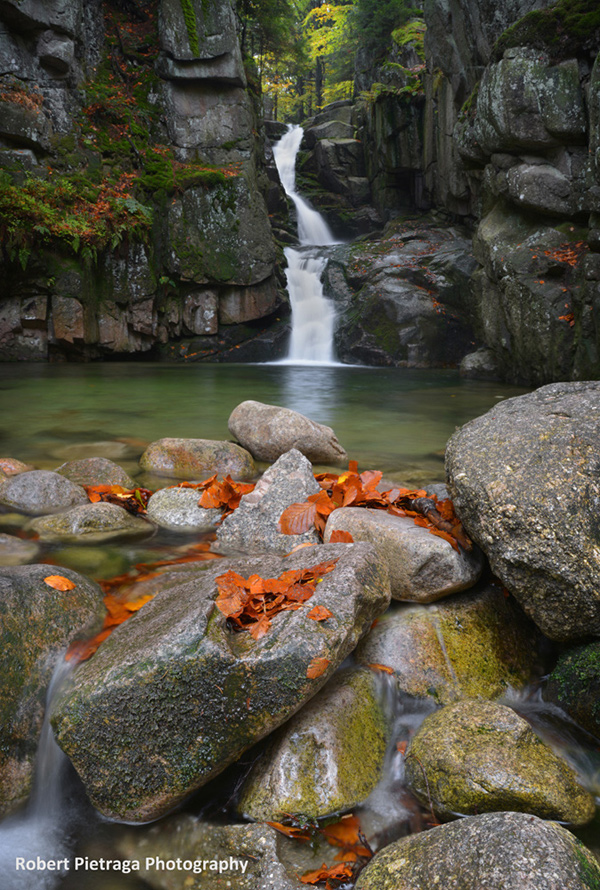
(312,314)
(41,829)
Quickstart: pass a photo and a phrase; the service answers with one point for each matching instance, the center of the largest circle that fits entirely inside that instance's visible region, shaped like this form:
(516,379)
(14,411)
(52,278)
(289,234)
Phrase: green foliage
(569,28)
(412,33)
(189,15)
(377,20)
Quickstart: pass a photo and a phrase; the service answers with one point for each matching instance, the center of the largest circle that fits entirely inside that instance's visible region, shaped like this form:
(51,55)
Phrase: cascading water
(312,314)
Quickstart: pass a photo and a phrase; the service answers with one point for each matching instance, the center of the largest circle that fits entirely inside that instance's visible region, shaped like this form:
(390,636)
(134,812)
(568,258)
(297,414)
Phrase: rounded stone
(40,492)
(91,523)
(196,459)
(15,551)
(96,471)
(177,509)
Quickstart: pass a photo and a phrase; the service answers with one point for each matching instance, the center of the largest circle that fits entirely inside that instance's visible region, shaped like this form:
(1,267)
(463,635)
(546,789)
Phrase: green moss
(412,33)
(589,871)
(189,15)
(568,28)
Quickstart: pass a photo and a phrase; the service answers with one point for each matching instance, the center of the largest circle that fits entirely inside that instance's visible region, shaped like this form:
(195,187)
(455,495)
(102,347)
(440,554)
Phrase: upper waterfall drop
(312,314)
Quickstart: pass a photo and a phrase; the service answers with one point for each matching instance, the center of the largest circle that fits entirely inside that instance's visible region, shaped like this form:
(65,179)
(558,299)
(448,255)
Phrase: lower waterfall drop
(313,316)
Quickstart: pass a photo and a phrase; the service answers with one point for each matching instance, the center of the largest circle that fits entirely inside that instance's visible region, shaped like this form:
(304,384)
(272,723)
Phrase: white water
(313,317)
(41,829)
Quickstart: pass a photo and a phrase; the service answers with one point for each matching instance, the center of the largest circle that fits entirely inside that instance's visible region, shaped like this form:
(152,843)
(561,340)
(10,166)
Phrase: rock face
(253,527)
(524,481)
(511,850)
(196,459)
(193,163)
(423,567)
(41,491)
(311,766)
(91,523)
(173,696)
(268,431)
(474,645)
(478,757)
(37,622)
(574,685)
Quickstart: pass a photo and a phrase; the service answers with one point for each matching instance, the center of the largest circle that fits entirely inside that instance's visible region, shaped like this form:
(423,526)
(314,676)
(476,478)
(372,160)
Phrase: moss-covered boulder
(474,645)
(36,624)
(174,696)
(90,523)
(479,757)
(524,481)
(574,685)
(196,459)
(327,758)
(508,850)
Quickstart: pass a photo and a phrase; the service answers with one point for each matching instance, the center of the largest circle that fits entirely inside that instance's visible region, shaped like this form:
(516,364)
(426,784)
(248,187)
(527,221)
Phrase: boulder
(96,471)
(254,525)
(40,492)
(37,622)
(423,567)
(196,459)
(268,431)
(478,757)
(15,551)
(574,685)
(174,696)
(474,645)
(12,467)
(326,759)
(90,523)
(177,509)
(509,850)
(524,481)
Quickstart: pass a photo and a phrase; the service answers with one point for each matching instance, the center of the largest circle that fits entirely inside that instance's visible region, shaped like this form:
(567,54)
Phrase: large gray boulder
(477,644)
(423,567)
(513,851)
(41,491)
(524,481)
(174,696)
(268,431)
(326,759)
(253,527)
(37,622)
(478,757)
(195,459)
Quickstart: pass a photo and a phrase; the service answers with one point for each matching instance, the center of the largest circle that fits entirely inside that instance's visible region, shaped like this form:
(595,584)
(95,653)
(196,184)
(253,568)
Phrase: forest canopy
(304,51)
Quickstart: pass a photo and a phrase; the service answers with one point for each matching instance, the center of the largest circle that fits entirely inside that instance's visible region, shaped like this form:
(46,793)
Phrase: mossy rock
(574,685)
(568,28)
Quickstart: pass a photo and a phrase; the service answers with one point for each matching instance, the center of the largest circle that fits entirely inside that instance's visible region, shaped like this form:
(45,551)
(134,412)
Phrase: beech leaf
(317,667)
(59,582)
(297,519)
(320,613)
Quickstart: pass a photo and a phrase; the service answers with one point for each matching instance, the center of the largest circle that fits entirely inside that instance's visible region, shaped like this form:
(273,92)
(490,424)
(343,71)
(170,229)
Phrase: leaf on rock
(339,536)
(383,668)
(340,872)
(297,519)
(59,582)
(299,834)
(317,667)
(320,613)
(224,495)
(134,500)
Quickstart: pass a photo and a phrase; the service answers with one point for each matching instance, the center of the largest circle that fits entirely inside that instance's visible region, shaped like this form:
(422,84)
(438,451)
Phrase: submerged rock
(476,757)
(268,431)
(90,523)
(96,471)
(509,850)
(474,645)
(40,492)
(15,551)
(177,509)
(37,622)
(423,567)
(327,758)
(253,527)
(574,685)
(174,696)
(525,482)
(12,467)
(196,459)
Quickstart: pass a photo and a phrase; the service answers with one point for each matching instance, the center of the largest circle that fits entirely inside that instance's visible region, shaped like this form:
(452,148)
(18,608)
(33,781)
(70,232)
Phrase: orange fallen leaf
(59,582)
(335,872)
(401,747)
(341,537)
(384,668)
(298,834)
(320,613)
(317,667)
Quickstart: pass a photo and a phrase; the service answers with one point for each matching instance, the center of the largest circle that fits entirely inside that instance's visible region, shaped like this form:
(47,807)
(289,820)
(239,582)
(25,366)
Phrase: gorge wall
(133,200)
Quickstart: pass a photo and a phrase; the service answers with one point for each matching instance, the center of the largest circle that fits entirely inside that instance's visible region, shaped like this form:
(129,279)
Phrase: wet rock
(509,850)
(477,757)
(574,685)
(327,758)
(40,492)
(90,523)
(524,479)
(253,526)
(268,431)
(36,624)
(16,551)
(96,471)
(177,509)
(480,365)
(111,450)
(196,459)
(474,645)
(173,696)
(423,567)
(12,467)
(94,561)
(256,846)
